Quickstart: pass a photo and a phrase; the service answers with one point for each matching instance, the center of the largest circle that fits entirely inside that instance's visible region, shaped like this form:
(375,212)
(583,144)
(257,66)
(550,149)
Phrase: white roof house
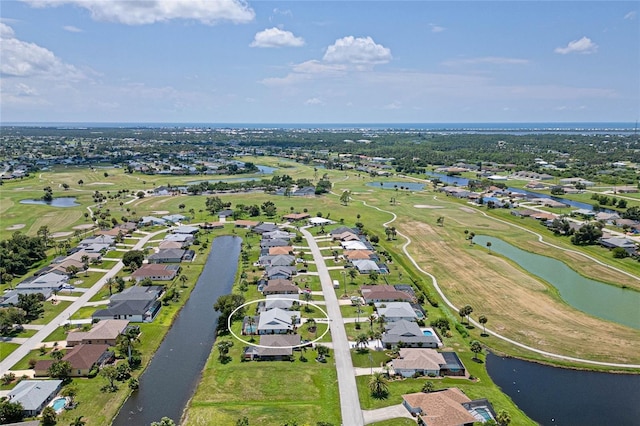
(353,245)
(277,321)
(396,311)
(34,395)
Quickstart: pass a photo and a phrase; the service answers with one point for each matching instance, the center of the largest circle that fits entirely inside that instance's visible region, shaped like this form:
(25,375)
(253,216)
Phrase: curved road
(506,339)
(36,340)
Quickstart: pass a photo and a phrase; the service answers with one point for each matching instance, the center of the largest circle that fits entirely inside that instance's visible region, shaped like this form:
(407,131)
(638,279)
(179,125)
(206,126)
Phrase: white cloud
(317,67)
(360,51)
(314,101)
(436,28)
(631,15)
(72,29)
(584,46)
(495,60)
(134,12)
(23,59)
(275,37)
(394,105)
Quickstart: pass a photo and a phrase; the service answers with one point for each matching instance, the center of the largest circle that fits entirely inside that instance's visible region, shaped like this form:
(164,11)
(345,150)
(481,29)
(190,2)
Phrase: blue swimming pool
(59,404)
(484,413)
(427,333)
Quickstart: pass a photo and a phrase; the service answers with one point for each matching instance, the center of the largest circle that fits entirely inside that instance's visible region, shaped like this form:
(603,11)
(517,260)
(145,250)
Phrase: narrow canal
(563,397)
(173,374)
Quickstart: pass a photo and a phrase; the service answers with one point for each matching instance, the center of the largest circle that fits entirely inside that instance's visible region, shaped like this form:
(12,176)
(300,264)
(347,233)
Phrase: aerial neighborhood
(380,284)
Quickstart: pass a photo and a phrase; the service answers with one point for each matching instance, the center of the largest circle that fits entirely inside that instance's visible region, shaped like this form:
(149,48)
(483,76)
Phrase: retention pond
(558,396)
(593,297)
(173,374)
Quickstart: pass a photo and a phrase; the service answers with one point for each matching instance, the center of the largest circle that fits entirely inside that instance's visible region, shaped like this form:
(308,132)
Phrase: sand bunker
(100,183)
(86,226)
(15,227)
(61,234)
(425,206)
(160,212)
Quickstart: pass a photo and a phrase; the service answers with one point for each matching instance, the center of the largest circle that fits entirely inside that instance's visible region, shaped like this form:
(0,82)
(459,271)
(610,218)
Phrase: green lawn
(272,391)
(51,311)
(6,349)
(361,359)
(58,335)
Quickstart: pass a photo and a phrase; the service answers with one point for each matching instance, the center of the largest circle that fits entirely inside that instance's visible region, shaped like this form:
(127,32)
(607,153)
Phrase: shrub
(463,332)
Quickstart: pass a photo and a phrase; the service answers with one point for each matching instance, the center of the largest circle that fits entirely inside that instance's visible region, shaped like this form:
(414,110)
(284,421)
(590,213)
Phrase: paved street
(349,401)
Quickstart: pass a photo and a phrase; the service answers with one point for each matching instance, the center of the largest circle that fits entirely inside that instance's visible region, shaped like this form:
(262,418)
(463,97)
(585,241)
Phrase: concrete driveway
(386,413)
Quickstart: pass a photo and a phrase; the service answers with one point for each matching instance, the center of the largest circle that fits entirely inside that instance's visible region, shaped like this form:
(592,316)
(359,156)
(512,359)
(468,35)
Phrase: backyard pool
(427,332)
(59,404)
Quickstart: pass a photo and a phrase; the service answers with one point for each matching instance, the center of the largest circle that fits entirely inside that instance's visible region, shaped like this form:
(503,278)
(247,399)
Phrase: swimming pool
(59,404)
(427,332)
(484,413)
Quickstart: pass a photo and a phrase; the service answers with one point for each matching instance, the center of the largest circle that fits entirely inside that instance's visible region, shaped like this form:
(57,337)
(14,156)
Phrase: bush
(463,332)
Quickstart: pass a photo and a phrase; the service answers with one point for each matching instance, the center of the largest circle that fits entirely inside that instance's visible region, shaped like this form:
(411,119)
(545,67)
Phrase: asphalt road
(349,402)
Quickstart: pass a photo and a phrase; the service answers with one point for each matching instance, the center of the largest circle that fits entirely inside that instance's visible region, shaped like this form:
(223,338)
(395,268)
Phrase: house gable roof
(419,359)
(32,393)
(441,408)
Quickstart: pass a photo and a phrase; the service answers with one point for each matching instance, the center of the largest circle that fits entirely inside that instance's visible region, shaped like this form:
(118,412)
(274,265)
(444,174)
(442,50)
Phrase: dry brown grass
(518,305)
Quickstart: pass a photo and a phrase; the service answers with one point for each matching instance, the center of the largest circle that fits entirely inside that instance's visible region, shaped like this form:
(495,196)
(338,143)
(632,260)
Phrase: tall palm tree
(77,422)
(378,385)
(362,340)
(371,318)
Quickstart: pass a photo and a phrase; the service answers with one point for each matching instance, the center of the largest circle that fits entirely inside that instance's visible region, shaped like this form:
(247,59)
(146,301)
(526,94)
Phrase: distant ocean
(511,128)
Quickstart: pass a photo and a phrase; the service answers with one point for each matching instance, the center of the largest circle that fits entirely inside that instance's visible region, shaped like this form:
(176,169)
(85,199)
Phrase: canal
(174,372)
(593,297)
(563,397)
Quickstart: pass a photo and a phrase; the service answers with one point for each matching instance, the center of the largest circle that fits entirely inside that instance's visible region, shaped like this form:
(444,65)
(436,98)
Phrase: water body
(460,181)
(56,202)
(411,186)
(592,297)
(174,372)
(266,169)
(229,180)
(587,128)
(563,397)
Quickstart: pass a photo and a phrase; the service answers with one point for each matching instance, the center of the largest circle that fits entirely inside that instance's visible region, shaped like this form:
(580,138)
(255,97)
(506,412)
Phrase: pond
(56,202)
(411,186)
(174,372)
(590,296)
(558,396)
(229,180)
(266,169)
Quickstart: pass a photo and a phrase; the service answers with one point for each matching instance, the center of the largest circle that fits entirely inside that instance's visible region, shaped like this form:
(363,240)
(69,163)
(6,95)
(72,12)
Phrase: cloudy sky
(229,61)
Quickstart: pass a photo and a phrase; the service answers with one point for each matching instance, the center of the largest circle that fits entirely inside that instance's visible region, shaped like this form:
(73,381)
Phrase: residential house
(346,236)
(103,332)
(277,260)
(278,235)
(423,361)
(167,256)
(34,395)
(164,245)
(151,220)
(319,221)
(607,217)
(410,334)
(294,217)
(82,359)
(396,311)
(281,301)
(628,245)
(354,245)
(307,191)
(184,229)
(156,272)
(280,286)
(273,251)
(276,242)
(278,321)
(273,347)
(366,266)
(280,272)
(352,255)
(174,218)
(183,238)
(224,214)
(248,224)
(136,304)
(447,407)
(52,281)
(384,293)
(265,227)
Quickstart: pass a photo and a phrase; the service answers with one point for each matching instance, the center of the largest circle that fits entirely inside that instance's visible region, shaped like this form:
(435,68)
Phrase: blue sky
(226,61)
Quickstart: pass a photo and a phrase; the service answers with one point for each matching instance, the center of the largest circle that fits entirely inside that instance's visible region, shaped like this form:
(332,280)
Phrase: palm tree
(353,274)
(503,418)
(372,318)
(373,277)
(362,340)
(77,422)
(483,320)
(110,282)
(183,279)
(378,386)
(427,387)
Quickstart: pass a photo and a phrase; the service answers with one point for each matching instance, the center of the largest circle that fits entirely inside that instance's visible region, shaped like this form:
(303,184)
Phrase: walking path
(434,280)
(347,388)
(37,339)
